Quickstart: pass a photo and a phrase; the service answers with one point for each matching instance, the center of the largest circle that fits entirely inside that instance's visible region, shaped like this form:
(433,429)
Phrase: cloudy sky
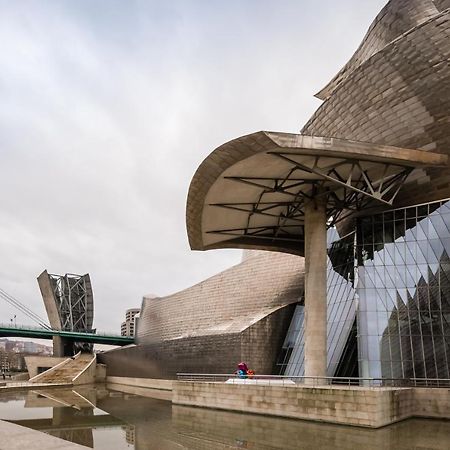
(108,107)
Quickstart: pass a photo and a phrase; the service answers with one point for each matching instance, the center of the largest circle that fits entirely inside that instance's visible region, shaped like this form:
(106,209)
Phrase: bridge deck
(43,333)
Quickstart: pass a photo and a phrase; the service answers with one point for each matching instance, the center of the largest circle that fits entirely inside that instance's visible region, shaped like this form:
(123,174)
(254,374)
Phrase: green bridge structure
(9,330)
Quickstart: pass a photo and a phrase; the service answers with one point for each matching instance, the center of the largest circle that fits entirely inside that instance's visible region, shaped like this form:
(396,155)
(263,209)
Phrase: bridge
(69,303)
(9,330)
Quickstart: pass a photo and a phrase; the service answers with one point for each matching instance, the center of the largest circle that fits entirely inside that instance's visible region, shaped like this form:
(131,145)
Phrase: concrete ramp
(77,370)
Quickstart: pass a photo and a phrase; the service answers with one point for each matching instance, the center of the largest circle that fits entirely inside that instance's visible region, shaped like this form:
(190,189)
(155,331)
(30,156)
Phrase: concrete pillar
(58,346)
(315,290)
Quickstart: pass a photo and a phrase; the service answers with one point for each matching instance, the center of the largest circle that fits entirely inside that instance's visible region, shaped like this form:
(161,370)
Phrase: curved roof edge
(229,154)
(395,19)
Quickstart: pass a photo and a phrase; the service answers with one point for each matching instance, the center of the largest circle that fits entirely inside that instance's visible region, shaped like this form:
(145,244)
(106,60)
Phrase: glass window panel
(446,244)
(389,278)
(402,297)
(409,235)
(375,369)
(423,273)
(421,257)
(437,325)
(422,211)
(399,214)
(383,319)
(397,369)
(391,298)
(386,369)
(399,253)
(430,367)
(440,225)
(372,324)
(389,255)
(445,207)
(445,302)
(410,278)
(432,233)
(399,229)
(437,248)
(410,253)
(393,325)
(381,300)
(411,213)
(421,230)
(374,348)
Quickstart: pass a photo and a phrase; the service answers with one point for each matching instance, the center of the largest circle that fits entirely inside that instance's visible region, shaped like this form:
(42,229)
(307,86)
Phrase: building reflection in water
(145,423)
(73,418)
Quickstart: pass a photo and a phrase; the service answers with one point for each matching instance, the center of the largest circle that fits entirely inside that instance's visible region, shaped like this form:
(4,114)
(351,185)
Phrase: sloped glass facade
(392,274)
(341,310)
(403,289)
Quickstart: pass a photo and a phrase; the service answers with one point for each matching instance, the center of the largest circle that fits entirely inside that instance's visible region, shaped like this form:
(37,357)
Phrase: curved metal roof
(251,191)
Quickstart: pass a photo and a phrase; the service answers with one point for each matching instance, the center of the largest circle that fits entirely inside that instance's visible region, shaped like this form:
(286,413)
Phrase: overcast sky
(108,107)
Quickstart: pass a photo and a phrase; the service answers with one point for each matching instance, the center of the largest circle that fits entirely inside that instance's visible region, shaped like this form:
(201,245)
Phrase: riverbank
(372,407)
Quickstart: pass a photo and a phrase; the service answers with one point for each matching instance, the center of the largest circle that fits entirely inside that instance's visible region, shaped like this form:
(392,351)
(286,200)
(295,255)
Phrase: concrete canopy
(251,192)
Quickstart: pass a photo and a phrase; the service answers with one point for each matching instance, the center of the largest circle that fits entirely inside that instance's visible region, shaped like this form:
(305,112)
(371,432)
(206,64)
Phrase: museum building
(351,218)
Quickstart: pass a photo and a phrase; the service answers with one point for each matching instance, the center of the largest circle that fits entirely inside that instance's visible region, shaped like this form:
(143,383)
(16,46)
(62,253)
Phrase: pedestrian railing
(285,380)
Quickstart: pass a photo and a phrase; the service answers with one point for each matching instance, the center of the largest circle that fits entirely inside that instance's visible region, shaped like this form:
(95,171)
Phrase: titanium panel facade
(399,95)
(241,314)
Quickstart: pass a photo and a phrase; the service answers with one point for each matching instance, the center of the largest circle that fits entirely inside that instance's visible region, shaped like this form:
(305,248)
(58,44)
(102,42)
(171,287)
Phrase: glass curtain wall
(404,292)
(393,276)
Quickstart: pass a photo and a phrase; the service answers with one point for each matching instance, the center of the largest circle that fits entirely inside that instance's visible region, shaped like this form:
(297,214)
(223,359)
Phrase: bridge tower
(69,303)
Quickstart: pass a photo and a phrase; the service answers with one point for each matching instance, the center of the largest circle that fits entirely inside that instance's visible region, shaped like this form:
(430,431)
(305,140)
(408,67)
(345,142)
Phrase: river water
(105,419)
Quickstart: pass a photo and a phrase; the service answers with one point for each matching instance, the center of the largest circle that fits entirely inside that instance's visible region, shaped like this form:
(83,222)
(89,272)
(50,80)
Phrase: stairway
(66,371)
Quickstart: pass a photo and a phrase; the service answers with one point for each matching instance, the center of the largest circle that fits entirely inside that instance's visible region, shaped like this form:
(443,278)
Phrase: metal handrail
(315,381)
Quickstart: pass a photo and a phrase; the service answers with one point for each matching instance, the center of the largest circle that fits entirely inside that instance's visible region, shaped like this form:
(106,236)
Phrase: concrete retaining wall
(34,362)
(149,383)
(367,407)
(432,403)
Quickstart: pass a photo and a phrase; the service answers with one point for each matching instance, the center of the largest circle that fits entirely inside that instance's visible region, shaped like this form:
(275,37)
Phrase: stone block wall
(365,407)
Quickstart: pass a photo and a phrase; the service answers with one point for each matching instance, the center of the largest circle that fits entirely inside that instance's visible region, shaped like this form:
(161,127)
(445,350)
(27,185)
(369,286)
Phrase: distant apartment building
(128,327)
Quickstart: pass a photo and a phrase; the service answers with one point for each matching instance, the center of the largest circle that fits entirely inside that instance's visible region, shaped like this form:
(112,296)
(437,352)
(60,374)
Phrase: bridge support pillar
(58,346)
(62,347)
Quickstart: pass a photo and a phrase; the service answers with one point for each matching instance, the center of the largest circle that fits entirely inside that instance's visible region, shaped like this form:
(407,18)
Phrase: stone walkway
(15,437)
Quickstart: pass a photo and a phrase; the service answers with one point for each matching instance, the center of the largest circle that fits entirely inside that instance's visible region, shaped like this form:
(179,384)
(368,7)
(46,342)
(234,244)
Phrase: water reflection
(102,418)
(205,429)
